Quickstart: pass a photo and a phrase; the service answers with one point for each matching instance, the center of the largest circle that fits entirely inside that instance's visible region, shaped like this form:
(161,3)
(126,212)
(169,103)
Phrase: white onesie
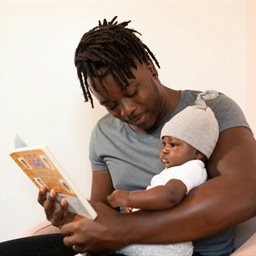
(192,174)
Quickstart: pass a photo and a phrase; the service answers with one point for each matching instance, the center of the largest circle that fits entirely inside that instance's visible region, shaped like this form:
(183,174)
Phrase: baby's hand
(119,198)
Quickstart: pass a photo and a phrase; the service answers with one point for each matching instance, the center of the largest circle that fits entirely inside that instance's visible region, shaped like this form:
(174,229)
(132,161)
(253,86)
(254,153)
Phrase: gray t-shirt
(133,158)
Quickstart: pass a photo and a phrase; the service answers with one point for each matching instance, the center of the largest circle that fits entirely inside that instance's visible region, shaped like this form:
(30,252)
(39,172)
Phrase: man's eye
(131,94)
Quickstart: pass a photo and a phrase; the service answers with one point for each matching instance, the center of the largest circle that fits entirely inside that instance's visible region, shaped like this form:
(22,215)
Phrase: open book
(41,167)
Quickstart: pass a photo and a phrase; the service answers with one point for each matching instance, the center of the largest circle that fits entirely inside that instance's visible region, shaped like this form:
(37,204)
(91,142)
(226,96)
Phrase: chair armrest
(42,228)
(248,248)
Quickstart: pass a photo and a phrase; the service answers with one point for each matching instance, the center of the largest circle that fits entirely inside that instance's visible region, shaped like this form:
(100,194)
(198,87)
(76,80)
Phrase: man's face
(139,104)
(176,152)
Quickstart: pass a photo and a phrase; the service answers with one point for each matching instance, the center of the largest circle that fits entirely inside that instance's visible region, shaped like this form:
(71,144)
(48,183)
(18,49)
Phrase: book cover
(39,164)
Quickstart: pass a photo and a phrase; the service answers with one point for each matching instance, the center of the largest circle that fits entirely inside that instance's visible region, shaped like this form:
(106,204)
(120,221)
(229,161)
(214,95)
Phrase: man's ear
(151,67)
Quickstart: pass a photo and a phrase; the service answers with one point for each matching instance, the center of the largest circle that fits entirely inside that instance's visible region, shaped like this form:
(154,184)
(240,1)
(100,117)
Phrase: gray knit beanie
(195,125)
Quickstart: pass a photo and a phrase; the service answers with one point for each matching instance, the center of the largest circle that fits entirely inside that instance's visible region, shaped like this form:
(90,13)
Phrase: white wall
(199,45)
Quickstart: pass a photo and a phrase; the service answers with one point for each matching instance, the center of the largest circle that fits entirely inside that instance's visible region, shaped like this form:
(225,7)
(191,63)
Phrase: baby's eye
(173,145)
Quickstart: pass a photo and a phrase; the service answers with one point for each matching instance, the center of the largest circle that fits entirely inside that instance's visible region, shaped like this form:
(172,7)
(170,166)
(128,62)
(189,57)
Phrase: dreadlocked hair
(110,45)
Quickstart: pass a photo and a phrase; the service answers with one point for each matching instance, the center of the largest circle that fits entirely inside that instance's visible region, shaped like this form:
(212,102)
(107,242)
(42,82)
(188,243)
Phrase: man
(118,69)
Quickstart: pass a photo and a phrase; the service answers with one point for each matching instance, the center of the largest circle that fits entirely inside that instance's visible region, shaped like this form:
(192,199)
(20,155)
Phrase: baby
(189,139)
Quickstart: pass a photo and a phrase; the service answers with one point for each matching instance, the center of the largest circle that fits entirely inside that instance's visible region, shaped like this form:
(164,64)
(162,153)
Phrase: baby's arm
(156,198)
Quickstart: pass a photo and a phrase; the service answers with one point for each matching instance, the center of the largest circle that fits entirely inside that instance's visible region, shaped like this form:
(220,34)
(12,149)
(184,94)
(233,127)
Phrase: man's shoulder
(227,111)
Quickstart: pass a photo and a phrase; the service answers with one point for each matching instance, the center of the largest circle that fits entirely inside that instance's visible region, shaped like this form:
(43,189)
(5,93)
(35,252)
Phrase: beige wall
(250,106)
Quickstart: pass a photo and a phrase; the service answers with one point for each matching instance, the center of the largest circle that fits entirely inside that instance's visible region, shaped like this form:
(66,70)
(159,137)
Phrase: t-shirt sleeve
(194,176)
(97,161)
(227,112)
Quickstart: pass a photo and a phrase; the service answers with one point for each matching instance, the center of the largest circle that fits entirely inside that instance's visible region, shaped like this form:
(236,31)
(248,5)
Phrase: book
(40,165)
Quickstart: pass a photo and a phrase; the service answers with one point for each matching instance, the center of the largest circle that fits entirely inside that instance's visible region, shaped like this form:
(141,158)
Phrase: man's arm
(224,200)
(101,186)
(157,198)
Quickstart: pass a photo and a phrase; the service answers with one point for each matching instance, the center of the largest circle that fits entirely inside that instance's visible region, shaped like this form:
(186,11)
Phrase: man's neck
(170,100)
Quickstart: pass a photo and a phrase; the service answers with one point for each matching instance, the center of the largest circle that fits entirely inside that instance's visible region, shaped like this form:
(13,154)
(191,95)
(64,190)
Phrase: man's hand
(101,235)
(119,198)
(58,216)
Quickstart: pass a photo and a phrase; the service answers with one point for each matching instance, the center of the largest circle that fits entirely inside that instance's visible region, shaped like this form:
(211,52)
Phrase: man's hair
(110,45)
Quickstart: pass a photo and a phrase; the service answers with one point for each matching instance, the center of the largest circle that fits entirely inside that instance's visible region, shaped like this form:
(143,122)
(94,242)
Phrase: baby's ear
(200,156)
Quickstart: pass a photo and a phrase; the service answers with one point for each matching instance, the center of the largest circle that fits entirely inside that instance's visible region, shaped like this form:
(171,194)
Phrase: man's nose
(127,108)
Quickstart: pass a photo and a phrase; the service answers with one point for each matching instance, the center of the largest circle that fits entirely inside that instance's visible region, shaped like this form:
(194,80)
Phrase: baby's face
(176,152)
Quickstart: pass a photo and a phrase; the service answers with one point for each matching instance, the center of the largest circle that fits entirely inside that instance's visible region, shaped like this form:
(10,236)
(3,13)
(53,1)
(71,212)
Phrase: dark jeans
(46,245)
(198,254)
